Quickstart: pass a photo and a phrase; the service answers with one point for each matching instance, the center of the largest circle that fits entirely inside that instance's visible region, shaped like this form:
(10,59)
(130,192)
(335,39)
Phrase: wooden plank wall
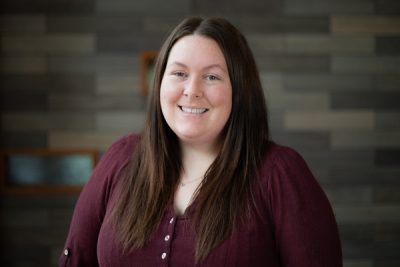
(69,78)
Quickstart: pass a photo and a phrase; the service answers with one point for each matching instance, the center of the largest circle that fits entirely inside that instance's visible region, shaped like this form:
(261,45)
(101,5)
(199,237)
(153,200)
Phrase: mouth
(193,110)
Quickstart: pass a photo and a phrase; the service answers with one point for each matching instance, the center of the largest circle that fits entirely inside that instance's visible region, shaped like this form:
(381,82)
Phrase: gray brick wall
(69,78)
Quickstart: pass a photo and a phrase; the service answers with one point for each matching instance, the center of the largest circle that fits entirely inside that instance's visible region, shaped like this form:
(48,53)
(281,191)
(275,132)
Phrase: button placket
(170,227)
(66,252)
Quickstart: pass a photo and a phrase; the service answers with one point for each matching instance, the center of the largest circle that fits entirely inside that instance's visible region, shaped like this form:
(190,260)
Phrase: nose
(193,88)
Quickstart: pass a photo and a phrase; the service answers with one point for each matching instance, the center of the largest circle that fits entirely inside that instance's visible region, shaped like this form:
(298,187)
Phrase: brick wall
(69,78)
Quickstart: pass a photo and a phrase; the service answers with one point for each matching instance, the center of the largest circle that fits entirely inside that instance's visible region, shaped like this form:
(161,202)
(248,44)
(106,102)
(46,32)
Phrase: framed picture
(146,68)
(45,171)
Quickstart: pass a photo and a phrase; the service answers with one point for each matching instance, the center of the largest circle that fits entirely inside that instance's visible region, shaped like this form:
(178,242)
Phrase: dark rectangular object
(45,171)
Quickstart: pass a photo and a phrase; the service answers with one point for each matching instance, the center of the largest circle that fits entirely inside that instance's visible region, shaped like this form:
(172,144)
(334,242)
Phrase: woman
(205,185)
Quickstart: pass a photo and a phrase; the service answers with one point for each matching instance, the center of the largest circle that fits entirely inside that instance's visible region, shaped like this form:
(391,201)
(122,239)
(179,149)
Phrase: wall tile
(32,101)
(308,7)
(367,213)
(386,263)
(334,120)
(103,24)
(387,175)
(328,82)
(120,121)
(71,83)
(350,176)
(358,263)
(123,43)
(302,140)
(366,64)
(86,102)
(367,174)
(387,120)
(365,24)
(366,100)
(357,250)
(82,140)
(386,250)
(271,81)
(27,122)
(15,219)
(22,24)
(161,24)
(48,6)
(387,232)
(31,202)
(387,45)
(23,82)
(387,82)
(387,7)
(242,6)
(365,139)
(290,63)
(387,157)
(322,158)
(311,43)
(364,232)
(337,44)
(37,83)
(280,24)
(263,44)
(49,44)
(140,7)
(31,237)
(93,64)
(387,194)
(349,194)
(297,101)
(18,64)
(275,121)
(60,218)
(120,24)
(119,85)
(71,23)
(33,256)
(32,139)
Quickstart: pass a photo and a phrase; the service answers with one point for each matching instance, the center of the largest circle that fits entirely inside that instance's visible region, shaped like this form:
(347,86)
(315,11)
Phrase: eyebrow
(205,68)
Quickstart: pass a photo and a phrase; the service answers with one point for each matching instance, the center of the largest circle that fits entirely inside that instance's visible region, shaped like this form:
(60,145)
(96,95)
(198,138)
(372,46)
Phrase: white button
(163,256)
(172,220)
(66,252)
(166,238)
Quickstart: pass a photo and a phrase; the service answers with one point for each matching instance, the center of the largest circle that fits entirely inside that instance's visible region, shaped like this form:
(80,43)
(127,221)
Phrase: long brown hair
(154,172)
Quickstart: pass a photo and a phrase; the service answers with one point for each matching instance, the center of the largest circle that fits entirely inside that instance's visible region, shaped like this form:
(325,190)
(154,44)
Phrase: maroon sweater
(294,225)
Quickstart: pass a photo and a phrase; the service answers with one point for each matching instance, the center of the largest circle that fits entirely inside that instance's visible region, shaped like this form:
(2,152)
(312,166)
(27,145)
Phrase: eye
(211,77)
(179,74)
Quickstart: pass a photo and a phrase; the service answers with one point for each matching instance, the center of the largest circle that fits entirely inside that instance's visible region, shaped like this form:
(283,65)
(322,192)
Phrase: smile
(193,110)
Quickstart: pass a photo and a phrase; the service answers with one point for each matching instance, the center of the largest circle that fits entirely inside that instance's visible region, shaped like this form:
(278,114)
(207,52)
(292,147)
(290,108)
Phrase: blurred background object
(70,79)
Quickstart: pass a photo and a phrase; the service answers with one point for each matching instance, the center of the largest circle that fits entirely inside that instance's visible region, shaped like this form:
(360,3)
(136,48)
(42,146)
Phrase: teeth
(193,110)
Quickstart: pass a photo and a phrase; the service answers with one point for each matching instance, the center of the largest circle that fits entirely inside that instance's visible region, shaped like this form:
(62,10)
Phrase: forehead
(197,49)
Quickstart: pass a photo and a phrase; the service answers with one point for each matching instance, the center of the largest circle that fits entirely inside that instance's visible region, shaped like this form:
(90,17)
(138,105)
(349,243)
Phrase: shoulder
(121,150)
(115,158)
(283,166)
(278,156)
(124,145)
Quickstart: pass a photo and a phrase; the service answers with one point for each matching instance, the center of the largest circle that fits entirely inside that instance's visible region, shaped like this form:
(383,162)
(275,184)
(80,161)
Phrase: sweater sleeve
(81,244)
(305,227)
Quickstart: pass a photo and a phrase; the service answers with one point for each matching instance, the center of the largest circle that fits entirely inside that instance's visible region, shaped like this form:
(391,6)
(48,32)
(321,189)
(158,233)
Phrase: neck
(196,160)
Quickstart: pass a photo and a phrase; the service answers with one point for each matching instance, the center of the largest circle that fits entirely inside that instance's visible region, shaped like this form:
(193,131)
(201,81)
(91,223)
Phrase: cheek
(168,93)
(221,97)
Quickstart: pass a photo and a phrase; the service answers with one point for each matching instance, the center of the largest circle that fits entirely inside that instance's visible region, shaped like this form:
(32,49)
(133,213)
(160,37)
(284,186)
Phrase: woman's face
(196,91)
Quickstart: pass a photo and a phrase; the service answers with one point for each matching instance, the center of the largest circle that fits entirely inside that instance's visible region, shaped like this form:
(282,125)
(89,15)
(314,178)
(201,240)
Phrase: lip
(193,110)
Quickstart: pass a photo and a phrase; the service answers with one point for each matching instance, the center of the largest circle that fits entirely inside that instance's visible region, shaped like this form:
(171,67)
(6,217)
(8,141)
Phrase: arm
(305,227)
(81,244)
